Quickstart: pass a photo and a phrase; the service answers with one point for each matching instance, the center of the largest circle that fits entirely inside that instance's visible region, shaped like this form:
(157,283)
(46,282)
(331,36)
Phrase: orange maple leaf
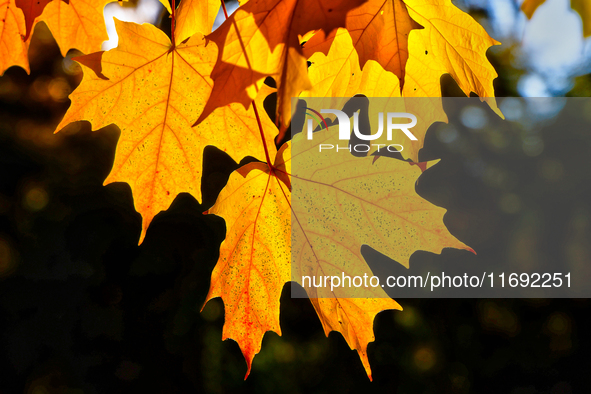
(31,10)
(262,38)
(154,91)
(13,50)
(379,31)
(255,256)
(74,24)
(266,224)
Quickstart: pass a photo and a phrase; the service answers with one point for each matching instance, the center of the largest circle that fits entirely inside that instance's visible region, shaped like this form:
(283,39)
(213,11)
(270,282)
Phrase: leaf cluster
(173,96)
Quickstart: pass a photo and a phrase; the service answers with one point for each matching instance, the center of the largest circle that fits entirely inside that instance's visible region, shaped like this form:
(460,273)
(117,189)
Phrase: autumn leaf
(367,202)
(254,259)
(530,6)
(379,31)
(339,75)
(584,9)
(262,38)
(154,92)
(195,16)
(353,318)
(13,50)
(31,10)
(341,202)
(75,24)
(452,42)
(335,88)
(254,264)
(155,89)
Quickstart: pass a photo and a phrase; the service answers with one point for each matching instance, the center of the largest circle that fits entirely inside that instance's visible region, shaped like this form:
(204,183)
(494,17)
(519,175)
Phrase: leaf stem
(224,8)
(256,113)
(172,24)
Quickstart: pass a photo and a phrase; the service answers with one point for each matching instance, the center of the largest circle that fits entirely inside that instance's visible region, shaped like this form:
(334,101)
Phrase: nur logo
(345,128)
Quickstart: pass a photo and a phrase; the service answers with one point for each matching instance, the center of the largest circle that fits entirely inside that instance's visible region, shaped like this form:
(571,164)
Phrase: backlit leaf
(379,30)
(262,38)
(195,16)
(255,256)
(154,93)
(452,42)
(13,49)
(77,24)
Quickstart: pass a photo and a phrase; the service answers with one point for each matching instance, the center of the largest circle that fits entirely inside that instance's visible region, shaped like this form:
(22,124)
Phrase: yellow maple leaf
(266,223)
(379,31)
(254,264)
(341,202)
(255,256)
(338,74)
(77,24)
(452,42)
(13,50)
(195,16)
(154,91)
(373,81)
(262,39)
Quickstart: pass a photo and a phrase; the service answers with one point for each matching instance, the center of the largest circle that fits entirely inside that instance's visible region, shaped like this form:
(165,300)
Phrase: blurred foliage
(85,310)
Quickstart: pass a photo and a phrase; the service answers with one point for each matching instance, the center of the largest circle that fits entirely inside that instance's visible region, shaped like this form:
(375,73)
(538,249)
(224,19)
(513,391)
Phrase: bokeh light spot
(424,359)
(35,199)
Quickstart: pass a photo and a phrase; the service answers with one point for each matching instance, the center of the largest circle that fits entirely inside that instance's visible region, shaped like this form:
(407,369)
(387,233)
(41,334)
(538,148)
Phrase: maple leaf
(451,42)
(266,224)
(262,38)
(31,10)
(379,31)
(353,318)
(154,91)
(341,202)
(255,256)
(254,264)
(338,74)
(366,200)
(373,81)
(13,50)
(195,16)
(74,24)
